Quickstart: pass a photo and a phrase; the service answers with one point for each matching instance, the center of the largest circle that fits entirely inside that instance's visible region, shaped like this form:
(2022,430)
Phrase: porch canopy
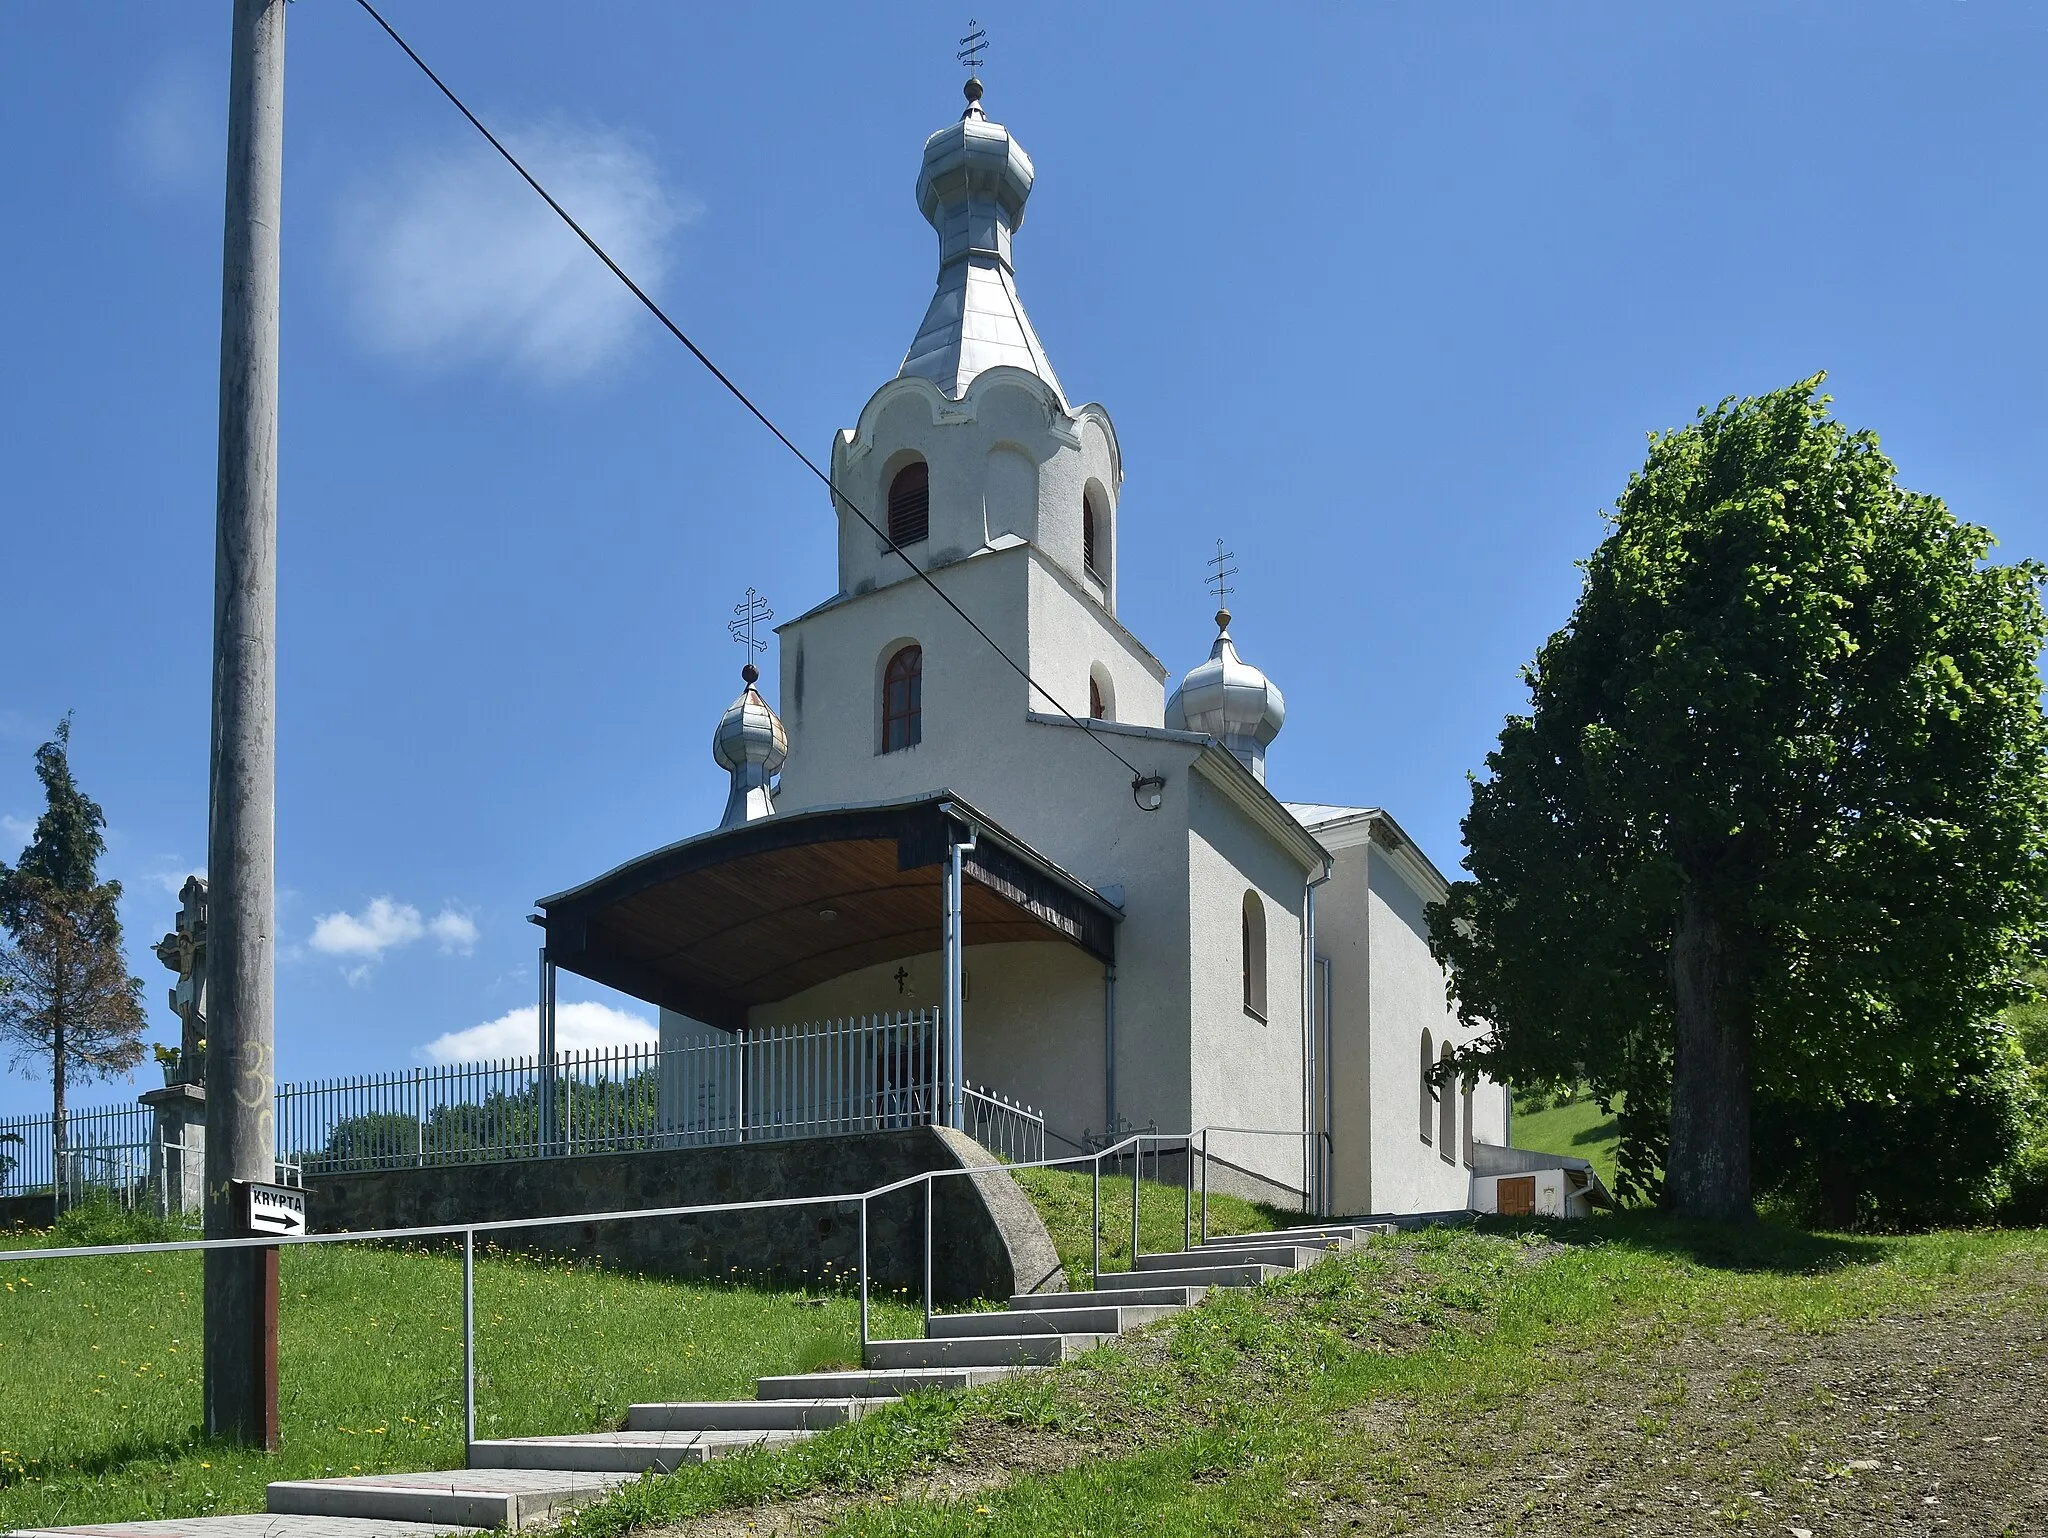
(749,915)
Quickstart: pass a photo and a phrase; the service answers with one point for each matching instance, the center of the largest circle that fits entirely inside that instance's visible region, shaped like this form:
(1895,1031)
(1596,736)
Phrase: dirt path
(1935,1422)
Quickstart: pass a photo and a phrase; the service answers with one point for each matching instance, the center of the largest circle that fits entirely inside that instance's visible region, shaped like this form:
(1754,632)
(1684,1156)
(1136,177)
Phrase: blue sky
(1384,296)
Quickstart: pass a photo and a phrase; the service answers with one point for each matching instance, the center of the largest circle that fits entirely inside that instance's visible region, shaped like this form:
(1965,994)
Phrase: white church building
(1152,943)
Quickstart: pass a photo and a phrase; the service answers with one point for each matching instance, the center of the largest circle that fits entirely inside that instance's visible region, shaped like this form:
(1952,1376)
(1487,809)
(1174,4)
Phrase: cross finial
(1217,580)
(750,612)
(973,46)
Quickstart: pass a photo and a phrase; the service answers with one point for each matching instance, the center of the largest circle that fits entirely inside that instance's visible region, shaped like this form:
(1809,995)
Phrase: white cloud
(173,881)
(173,135)
(578,1028)
(23,828)
(382,926)
(456,931)
(449,258)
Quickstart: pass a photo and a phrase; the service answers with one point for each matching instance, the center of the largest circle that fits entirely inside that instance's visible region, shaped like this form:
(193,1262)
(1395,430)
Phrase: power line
(736,392)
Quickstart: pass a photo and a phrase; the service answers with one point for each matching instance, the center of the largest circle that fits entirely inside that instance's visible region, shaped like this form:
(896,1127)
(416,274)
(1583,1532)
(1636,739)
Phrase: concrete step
(864,1384)
(252,1525)
(1356,1233)
(1228,1274)
(749,1414)
(621,1452)
(1287,1257)
(502,1498)
(1111,1320)
(981,1351)
(1129,1297)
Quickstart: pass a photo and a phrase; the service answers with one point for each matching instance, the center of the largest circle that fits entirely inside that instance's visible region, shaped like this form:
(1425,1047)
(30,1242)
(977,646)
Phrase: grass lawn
(1064,1199)
(100,1360)
(1583,1129)
(1627,1375)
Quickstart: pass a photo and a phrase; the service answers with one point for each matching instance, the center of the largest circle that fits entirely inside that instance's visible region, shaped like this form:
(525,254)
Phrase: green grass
(1229,1419)
(1065,1200)
(100,1359)
(1583,1129)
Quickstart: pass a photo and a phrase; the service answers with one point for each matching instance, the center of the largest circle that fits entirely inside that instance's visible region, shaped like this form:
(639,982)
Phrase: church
(982,797)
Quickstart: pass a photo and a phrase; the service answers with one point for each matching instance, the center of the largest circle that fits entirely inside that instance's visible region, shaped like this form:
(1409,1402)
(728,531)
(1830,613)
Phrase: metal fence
(863,1074)
(106,1148)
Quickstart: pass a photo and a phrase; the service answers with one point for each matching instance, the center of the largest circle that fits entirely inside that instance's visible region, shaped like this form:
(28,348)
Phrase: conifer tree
(66,996)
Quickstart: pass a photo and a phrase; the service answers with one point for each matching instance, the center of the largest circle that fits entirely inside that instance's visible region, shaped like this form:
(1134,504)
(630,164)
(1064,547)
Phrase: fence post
(468,1343)
(1095,1223)
(1137,1171)
(1205,1185)
(863,1281)
(927,1258)
(419,1119)
(1187,1202)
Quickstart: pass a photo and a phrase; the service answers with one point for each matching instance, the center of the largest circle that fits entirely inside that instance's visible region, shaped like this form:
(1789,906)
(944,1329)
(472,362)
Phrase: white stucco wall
(1246,1072)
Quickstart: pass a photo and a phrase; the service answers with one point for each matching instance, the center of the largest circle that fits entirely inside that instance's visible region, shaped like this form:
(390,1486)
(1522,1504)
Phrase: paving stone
(256,1525)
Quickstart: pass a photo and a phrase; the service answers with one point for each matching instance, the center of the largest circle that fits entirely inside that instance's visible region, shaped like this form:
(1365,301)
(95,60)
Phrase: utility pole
(241,1285)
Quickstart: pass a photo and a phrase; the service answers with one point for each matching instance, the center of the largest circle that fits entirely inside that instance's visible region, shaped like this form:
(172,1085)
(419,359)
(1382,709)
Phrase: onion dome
(1229,699)
(971,187)
(751,743)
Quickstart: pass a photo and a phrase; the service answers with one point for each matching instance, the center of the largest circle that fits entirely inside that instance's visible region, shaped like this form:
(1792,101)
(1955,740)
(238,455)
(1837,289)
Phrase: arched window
(903,700)
(1447,1113)
(1096,709)
(1254,956)
(1428,1107)
(1467,1144)
(1088,536)
(910,505)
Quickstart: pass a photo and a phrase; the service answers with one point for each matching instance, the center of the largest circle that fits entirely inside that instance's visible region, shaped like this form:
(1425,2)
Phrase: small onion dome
(1230,700)
(751,743)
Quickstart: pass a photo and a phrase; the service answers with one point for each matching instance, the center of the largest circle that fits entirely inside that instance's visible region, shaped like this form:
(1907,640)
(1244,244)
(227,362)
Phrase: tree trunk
(1707,1171)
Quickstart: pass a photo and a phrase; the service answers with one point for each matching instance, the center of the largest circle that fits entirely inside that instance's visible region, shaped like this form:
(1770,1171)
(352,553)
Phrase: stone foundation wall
(988,1239)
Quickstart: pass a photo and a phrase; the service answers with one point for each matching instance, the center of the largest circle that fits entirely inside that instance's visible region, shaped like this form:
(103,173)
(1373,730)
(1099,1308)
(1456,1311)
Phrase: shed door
(1517,1196)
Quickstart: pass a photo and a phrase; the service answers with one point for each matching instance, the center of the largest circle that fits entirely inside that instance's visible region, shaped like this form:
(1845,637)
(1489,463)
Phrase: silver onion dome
(752,745)
(1230,700)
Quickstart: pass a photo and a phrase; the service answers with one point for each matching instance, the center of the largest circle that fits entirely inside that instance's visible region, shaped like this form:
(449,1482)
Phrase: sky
(1384,296)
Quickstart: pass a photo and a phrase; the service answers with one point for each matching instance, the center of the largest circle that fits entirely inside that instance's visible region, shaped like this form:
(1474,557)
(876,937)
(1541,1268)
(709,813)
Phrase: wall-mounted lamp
(1149,791)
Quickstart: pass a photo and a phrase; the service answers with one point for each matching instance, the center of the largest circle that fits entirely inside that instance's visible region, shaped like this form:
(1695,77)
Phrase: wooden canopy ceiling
(731,919)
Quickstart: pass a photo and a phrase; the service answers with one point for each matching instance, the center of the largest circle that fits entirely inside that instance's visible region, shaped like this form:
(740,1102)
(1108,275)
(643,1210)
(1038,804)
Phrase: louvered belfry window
(910,504)
(1088,534)
(903,700)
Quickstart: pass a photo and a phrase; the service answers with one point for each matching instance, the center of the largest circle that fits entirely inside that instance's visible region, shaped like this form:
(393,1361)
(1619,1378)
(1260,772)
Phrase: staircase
(517,1482)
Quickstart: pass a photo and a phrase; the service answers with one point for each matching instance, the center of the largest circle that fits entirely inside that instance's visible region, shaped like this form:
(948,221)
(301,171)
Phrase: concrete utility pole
(241,1285)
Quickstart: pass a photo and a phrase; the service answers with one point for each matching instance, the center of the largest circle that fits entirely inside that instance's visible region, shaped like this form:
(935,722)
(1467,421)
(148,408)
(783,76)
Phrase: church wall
(1069,639)
(1344,935)
(972,701)
(1004,461)
(1246,1073)
(1407,998)
(1033,1021)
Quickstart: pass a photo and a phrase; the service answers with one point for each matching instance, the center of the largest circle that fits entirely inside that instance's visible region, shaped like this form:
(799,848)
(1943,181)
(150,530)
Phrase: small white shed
(1519,1182)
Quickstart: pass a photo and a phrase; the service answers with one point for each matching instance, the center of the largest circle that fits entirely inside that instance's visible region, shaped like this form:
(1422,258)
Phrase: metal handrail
(469,1231)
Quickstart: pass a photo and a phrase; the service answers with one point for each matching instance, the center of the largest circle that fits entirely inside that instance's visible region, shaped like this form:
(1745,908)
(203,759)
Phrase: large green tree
(1777,818)
(67,1000)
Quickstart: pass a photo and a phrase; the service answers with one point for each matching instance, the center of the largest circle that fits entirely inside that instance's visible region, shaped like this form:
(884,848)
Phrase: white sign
(273,1209)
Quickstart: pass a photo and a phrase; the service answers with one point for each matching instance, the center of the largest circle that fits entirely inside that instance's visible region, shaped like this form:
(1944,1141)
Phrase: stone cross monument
(177,1157)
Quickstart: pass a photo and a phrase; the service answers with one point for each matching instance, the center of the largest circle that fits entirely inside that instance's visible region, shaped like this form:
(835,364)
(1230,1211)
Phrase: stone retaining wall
(988,1239)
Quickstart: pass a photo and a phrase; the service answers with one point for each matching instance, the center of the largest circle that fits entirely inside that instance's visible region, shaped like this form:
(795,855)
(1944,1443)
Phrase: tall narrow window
(1428,1107)
(903,700)
(1254,956)
(910,505)
(1467,1099)
(1447,1109)
(1096,709)
(1088,536)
